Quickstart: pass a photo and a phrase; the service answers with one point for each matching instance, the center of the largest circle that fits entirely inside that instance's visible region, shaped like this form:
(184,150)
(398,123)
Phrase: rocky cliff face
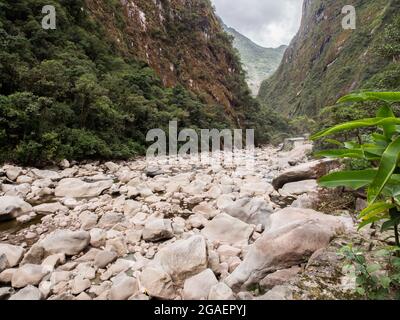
(182,40)
(259,62)
(324,61)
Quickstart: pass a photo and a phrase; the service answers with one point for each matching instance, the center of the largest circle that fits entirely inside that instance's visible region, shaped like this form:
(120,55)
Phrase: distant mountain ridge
(259,62)
(324,62)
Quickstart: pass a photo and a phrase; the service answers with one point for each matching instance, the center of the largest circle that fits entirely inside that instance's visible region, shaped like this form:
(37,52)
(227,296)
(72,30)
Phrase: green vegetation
(379,150)
(70,93)
(378,280)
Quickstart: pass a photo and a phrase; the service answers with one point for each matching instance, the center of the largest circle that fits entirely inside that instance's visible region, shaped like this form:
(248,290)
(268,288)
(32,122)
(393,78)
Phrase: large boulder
(13,254)
(250,210)
(183,258)
(290,238)
(76,188)
(65,241)
(12,207)
(228,230)
(198,287)
(306,171)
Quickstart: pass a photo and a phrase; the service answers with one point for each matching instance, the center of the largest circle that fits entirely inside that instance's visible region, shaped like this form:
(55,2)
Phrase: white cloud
(269,23)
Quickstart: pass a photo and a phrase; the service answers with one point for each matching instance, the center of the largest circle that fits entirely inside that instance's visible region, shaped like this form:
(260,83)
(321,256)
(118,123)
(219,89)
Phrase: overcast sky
(269,23)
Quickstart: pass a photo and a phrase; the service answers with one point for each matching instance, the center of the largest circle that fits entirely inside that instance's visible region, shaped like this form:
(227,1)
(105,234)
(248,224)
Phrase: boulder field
(142,229)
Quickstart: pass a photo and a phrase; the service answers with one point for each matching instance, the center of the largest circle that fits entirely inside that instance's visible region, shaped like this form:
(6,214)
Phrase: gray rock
(3,262)
(28,274)
(27,293)
(228,230)
(291,237)
(65,241)
(12,207)
(12,253)
(157,283)
(250,210)
(104,258)
(198,287)
(157,229)
(76,188)
(50,208)
(221,292)
(183,258)
(123,288)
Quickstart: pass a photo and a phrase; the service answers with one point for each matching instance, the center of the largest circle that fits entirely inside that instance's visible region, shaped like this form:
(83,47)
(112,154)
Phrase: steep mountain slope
(324,61)
(182,40)
(111,71)
(259,62)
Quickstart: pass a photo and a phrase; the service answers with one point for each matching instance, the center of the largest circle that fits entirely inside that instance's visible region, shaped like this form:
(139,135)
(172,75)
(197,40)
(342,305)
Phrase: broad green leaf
(350,179)
(375,209)
(355,125)
(386,168)
(374,150)
(371,96)
(388,129)
(340,153)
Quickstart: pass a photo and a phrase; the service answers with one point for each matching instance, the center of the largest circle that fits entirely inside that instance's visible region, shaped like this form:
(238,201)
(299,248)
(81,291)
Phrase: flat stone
(50,208)
(76,188)
(65,241)
(228,230)
(104,258)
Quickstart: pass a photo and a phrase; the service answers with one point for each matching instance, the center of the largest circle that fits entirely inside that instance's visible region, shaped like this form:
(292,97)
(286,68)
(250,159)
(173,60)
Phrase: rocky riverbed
(185,230)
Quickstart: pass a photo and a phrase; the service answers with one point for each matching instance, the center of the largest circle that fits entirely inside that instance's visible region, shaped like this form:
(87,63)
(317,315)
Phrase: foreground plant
(381,150)
(377,280)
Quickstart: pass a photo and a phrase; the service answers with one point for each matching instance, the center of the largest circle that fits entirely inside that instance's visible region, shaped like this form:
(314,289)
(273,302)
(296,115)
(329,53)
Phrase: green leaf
(375,209)
(335,142)
(388,129)
(371,96)
(387,166)
(385,282)
(350,179)
(371,268)
(371,221)
(341,153)
(355,125)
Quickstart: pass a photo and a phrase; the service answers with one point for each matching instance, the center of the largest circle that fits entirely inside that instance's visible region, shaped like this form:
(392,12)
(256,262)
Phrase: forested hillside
(111,71)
